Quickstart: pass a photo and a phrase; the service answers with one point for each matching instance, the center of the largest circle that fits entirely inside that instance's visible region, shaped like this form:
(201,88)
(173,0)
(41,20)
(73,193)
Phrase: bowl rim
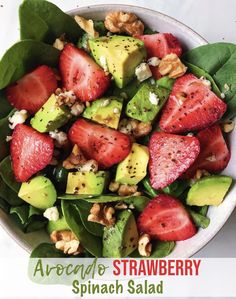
(161,16)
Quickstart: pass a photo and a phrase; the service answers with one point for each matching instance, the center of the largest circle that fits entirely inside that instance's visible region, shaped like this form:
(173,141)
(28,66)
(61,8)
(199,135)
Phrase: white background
(215,20)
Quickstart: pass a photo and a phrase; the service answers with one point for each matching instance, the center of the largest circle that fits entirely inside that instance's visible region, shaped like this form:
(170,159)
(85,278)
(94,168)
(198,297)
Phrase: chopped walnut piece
(126,190)
(102,214)
(114,186)
(60,138)
(228,126)
(66,241)
(144,245)
(119,21)
(75,159)
(65,97)
(172,66)
(198,175)
(135,127)
(88,166)
(87,26)
(142,129)
(60,43)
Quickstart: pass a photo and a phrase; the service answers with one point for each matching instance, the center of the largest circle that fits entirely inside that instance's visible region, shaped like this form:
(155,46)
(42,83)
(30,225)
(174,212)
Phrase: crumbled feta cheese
(206,82)
(211,158)
(226,87)
(105,103)
(143,71)
(153,82)
(8,138)
(89,166)
(222,95)
(59,44)
(19,117)
(68,94)
(51,214)
(103,62)
(59,136)
(77,109)
(153,98)
(190,134)
(116,110)
(153,61)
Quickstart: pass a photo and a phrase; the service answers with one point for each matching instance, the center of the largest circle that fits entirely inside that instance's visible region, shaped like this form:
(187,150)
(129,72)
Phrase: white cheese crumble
(154,61)
(77,109)
(206,82)
(116,110)
(143,71)
(153,98)
(222,95)
(51,214)
(19,117)
(103,62)
(105,103)
(8,138)
(68,94)
(59,136)
(190,135)
(226,87)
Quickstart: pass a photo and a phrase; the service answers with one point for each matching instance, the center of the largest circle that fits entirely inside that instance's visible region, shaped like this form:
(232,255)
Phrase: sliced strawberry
(155,72)
(191,106)
(161,44)
(214,155)
(105,145)
(31,151)
(170,156)
(81,74)
(33,90)
(166,219)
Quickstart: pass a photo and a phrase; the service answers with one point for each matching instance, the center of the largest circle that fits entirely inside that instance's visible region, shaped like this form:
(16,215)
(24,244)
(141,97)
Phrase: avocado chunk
(209,191)
(122,238)
(134,167)
(105,111)
(60,224)
(147,102)
(39,192)
(120,55)
(86,182)
(50,116)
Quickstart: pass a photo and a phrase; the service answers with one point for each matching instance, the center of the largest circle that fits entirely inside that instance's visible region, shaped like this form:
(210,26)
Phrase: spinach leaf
(149,31)
(197,71)
(148,188)
(160,249)
(90,242)
(166,82)
(9,195)
(5,107)
(87,197)
(199,220)
(46,250)
(8,176)
(128,91)
(4,132)
(23,57)
(4,205)
(139,202)
(219,60)
(44,21)
(203,210)
(176,188)
(84,208)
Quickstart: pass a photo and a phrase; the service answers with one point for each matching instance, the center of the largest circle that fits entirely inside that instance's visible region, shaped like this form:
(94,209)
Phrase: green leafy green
(128,91)
(203,210)
(166,82)
(176,188)
(219,61)
(90,242)
(8,176)
(43,21)
(5,107)
(9,195)
(4,132)
(199,220)
(46,250)
(23,57)
(4,205)
(160,249)
(148,188)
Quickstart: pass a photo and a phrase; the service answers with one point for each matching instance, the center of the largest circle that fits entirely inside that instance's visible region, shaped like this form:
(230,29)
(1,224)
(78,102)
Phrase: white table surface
(215,20)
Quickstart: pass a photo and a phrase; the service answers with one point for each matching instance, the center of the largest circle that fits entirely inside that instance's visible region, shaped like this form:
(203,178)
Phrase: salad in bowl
(113,135)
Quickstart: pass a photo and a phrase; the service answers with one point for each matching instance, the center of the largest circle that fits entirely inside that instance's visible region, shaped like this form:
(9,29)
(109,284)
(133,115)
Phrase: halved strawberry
(191,106)
(33,90)
(214,155)
(105,145)
(170,156)
(166,219)
(161,44)
(31,151)
(81,74)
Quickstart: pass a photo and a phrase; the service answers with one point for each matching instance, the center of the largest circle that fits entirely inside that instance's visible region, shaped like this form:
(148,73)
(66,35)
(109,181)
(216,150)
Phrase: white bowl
(189,39)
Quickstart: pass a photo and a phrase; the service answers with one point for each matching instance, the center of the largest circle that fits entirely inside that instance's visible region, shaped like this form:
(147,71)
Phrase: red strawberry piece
(105,145)
(81,74)
(31,151)
(33,90)
(170,156)
(155,72)
(214,155)
(166,219)
(161,44)
(191,106)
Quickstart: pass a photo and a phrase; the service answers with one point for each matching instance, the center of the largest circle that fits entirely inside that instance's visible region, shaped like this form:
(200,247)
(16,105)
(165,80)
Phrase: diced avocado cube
(50,116)
(134,167)
(39,192)
(60,224)
(122,238)
(147,102)
(209,191)
(86,182)
(120,55)
(105,111)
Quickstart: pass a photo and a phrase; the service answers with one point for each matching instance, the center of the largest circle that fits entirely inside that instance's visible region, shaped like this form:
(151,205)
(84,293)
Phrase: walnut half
(145,245)
(102,214)
(172,66)
(119,21)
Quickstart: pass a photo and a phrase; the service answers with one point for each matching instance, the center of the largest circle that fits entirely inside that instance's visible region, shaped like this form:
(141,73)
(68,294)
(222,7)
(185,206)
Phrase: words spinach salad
(112,139)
